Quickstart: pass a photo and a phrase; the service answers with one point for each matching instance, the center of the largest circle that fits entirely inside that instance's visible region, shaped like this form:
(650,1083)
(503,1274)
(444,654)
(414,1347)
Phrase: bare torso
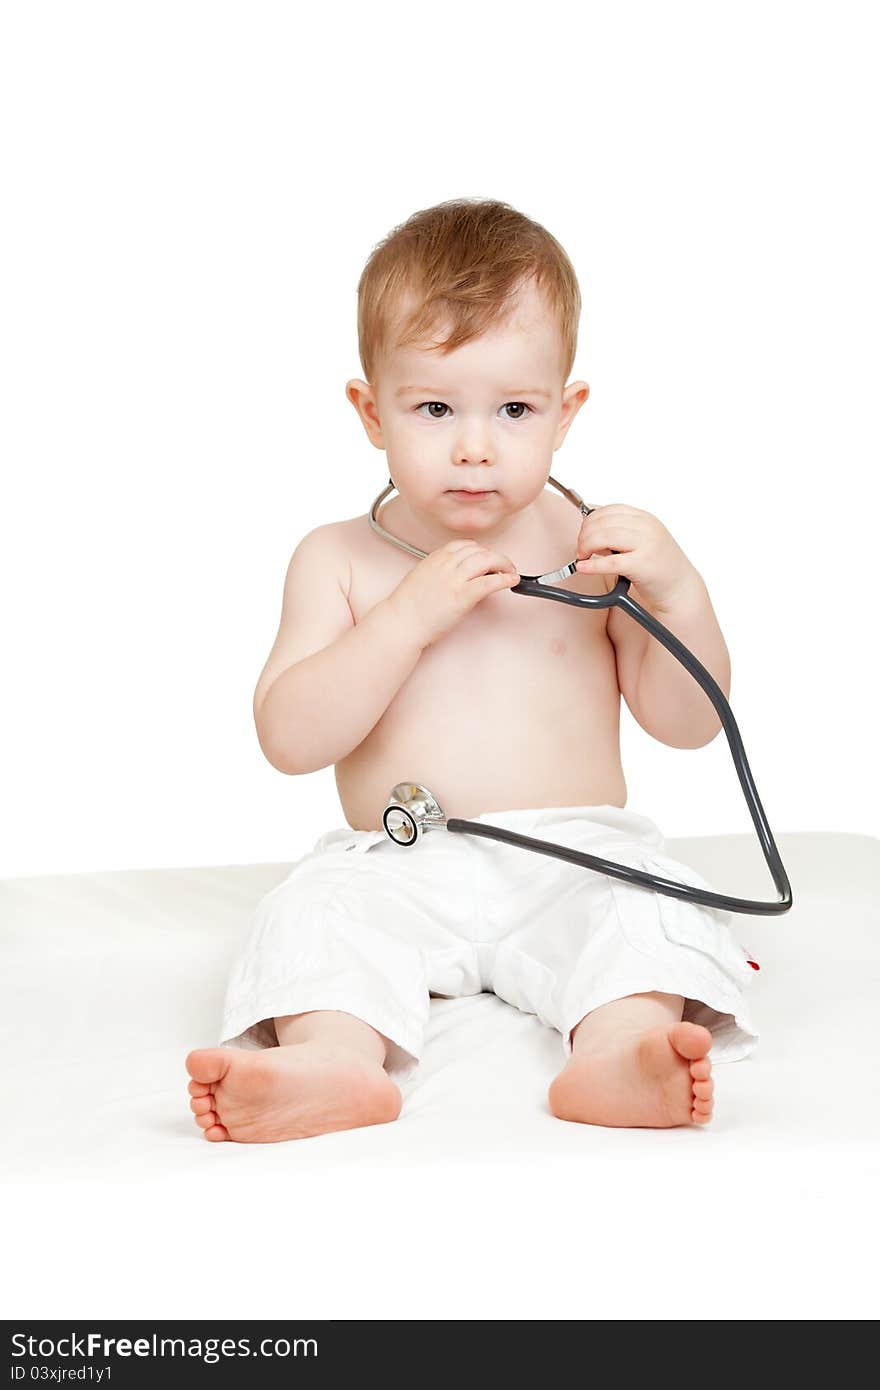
(517,706)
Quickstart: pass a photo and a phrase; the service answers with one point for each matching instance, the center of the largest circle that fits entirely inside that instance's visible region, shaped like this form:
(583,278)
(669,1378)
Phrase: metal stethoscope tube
(411,808)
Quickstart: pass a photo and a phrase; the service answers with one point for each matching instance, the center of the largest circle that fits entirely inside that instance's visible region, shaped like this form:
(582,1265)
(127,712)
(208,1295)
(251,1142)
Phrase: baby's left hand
(649,557)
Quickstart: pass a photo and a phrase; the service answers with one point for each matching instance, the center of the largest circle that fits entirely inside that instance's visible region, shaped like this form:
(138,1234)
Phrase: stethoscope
(411,809)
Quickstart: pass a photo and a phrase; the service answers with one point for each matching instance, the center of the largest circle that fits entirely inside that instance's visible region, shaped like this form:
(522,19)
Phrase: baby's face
(487,416)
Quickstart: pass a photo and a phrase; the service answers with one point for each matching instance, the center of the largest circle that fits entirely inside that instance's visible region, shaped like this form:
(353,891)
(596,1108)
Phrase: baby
(399,669)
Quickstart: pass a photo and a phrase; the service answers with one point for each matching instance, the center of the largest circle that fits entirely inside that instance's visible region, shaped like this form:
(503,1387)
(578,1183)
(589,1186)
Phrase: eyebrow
(520,391)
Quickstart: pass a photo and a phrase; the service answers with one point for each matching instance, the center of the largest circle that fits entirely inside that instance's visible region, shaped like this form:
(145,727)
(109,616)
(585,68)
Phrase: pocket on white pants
(693,925)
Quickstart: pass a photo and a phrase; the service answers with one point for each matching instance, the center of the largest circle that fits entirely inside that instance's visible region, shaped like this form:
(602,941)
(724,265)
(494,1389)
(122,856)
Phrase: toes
(207,1120)
(690,1040)
(702,1089)
(202,1105)
(216,1133)
(208,1064)
(701,1070)
(701,1111)
(198,1088)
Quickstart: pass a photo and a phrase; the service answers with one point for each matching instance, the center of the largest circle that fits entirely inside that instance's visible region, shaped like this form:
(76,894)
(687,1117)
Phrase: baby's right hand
(447,584)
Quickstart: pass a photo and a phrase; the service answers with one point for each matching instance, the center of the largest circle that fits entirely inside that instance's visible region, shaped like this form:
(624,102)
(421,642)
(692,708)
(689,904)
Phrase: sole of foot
(292,1092)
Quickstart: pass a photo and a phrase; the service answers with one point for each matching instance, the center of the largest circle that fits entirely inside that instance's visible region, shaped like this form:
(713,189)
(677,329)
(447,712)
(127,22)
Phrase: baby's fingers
(503,564)
(593,538)
(495,583)
(593,560)
(479,559)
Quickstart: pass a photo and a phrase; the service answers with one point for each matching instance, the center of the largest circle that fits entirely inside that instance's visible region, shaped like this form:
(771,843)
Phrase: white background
(191,192)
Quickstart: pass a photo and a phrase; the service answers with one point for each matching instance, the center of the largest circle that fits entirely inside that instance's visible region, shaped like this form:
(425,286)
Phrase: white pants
(373,928)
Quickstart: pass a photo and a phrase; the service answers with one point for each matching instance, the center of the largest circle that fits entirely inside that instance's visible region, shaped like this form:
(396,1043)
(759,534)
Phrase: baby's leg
(327,1073)
(634,1063)
(336,1029)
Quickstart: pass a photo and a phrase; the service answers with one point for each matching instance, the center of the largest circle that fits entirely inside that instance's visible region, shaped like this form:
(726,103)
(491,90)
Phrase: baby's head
(467,325)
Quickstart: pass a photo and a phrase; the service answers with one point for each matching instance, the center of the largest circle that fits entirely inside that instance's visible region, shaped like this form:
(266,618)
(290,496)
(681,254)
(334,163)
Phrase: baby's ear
(363,398)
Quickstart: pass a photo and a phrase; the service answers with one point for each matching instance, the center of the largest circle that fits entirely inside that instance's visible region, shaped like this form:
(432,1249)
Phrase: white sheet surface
(477,1202)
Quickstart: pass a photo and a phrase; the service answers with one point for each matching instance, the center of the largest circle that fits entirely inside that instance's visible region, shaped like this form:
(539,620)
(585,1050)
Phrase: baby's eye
(521,404)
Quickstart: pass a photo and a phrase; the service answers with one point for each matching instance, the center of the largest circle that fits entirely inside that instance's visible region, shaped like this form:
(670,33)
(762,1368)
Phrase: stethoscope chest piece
(411,810)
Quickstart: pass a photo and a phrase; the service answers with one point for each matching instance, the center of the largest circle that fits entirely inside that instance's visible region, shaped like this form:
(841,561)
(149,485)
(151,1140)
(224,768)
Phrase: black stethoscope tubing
(532,585)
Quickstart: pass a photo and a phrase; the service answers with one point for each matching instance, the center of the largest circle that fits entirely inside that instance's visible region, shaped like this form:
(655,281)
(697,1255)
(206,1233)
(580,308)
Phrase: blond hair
(461,261)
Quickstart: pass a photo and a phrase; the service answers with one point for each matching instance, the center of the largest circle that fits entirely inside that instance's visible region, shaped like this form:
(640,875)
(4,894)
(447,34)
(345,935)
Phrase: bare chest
(493,714)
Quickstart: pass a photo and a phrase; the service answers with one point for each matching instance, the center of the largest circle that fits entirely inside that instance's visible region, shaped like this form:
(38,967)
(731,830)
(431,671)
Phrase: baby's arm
(662,694)
(327,681)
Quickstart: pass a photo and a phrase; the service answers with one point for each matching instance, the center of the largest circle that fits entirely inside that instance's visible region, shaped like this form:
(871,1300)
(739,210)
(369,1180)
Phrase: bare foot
(655,1079)
(292,1092)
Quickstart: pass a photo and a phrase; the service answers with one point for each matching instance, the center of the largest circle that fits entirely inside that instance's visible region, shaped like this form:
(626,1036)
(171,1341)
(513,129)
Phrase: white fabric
(373,928)
(477,1201)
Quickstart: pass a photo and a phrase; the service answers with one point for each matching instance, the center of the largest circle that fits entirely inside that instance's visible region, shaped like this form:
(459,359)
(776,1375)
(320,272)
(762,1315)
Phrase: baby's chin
(470,518)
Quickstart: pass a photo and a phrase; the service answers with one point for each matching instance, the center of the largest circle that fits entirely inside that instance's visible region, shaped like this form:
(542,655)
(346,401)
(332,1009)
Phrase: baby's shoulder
(346,536)
(357,535)
(357,556)
(351,539)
